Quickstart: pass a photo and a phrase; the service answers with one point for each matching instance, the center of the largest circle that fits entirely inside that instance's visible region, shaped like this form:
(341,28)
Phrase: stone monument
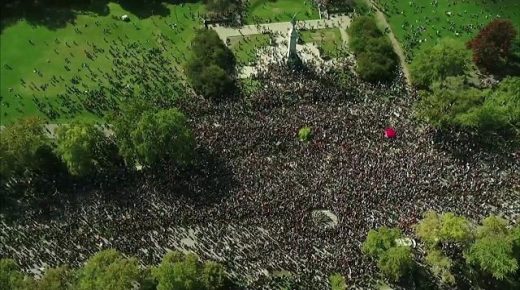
(293,39)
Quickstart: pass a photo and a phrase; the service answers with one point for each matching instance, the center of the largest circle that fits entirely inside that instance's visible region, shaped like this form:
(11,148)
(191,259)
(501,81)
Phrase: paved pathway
(341,22)
(50,130)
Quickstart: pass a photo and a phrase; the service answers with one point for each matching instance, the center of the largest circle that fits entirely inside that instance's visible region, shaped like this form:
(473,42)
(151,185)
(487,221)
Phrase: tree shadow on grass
(57,15)
(50,15)
(144,9)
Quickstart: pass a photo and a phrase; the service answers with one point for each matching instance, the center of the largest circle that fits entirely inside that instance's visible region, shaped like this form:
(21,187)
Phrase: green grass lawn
(245,47)
(328,41)
(280,10)
(51,67)
(419,23)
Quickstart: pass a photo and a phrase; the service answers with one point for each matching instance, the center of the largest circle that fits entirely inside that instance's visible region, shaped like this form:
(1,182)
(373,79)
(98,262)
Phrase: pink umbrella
(390,133)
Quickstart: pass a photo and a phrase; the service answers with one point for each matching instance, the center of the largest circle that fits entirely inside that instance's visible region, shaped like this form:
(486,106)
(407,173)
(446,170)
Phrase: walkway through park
(341,22)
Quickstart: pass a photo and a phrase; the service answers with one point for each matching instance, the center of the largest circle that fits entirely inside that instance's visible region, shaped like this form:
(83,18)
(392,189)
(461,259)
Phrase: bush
(305,134)
(337,282)
(376,59)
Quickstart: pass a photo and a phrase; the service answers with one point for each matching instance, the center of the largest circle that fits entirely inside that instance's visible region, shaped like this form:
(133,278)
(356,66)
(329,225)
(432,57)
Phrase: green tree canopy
(455,103)
(163,135)
(448,227)
(80,146)
(396,262)
(179,272)
(10,276)
(380,240)
(493,250)
(447,58)
(337,282)
(60,278)
(108,270)
(376,59)
(211,67)
(22,146)
(440,266)
(146,136)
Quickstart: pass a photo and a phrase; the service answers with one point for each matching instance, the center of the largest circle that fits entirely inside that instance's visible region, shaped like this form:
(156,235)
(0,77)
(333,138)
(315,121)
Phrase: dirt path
(380,17)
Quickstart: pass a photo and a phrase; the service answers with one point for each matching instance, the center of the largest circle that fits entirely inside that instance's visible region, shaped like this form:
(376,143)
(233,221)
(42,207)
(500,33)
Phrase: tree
(501,109)
(447,227)
(361,29)
(492,45)
(447,58)
(80,146)
(10,276)
(59,278)
(124,122)
(449,103)
(162,136)
(184,272)
(176,273)
(493,250)
(211,67)
(214,81)
(337,282)
(396,262)
(379,241)
(373,66)
(213,276)
(455,228)
(440,266)
(108,270)
(455,104)
(376,59)
(428,228)
(493,255)
(22,148)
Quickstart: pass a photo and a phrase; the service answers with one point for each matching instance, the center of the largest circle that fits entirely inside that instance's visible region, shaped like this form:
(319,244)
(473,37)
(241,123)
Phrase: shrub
(337,282)
(305,134)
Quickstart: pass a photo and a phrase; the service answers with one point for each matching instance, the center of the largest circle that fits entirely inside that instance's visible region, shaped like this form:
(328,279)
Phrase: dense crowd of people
(248,201)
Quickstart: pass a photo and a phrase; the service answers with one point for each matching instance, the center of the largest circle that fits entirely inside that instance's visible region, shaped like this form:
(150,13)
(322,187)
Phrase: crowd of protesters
(248,201)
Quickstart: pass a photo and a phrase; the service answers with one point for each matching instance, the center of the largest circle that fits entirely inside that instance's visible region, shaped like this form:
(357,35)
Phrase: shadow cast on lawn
(54,15)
